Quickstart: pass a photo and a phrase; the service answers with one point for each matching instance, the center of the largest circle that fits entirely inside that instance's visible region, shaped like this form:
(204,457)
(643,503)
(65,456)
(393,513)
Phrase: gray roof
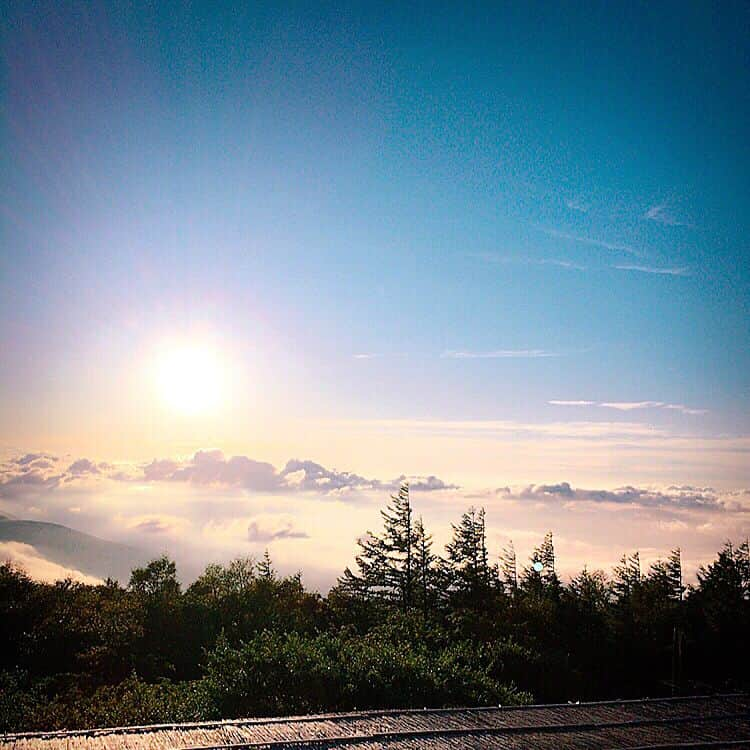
(694,722)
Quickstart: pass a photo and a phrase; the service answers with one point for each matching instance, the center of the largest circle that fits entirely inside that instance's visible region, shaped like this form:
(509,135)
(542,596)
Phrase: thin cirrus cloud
(497,259)
(615,246)
(684,409)
(560,264)
(556,402)
(675,271)
(631,405)
(663,214)
(505,429)
(577,205)
(500,354)
(571,266)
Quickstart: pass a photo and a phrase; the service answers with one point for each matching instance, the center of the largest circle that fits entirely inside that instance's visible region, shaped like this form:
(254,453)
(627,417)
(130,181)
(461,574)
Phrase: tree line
(405,626)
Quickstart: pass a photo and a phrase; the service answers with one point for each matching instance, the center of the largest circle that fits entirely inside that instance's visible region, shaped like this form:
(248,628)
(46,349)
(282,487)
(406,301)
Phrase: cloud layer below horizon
(209,506)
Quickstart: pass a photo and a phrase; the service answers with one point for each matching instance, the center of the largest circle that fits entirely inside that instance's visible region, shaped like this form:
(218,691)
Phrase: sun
(190,380)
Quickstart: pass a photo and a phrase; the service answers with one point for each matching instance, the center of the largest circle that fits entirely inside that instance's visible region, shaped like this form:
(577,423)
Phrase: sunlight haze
(261,263)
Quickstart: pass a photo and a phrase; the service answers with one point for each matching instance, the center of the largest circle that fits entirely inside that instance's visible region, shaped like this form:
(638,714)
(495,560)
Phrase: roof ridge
(369,713)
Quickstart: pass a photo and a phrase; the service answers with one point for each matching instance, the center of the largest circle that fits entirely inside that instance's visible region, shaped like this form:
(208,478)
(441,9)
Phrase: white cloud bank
(23,477)
(210,506)
(27,557)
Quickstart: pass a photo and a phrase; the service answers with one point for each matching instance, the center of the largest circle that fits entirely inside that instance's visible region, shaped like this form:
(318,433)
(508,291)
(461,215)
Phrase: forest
(406,627)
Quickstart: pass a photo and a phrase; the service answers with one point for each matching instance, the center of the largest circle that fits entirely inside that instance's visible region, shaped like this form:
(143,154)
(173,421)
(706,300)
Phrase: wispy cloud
(685,409)
(663,214)
(617,247)
(562,264)
(631,405)
(508,259)
(501,354)
(680,271)
(577,205)
(502,429)
(572,403)
(364,355)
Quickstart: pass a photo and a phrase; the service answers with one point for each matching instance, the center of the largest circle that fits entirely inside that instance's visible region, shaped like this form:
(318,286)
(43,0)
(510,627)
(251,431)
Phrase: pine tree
(425,568)
(728,577)
(547,556)
(370,581)
(742,559)
(540,574)
(386,563)
(627,575)
(590,590)
(467,560)
(674,574)
(265,568)
(484,562)
(509,568)
(399,543)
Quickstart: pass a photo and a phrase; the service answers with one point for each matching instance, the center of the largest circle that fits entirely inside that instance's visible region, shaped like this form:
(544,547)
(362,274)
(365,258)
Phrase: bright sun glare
(190,380)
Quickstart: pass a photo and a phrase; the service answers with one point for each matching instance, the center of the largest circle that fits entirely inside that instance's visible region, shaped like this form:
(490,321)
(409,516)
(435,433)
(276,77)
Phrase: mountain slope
(74,549)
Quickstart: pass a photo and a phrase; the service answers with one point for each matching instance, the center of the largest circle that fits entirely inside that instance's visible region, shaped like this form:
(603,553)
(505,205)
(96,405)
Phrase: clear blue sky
(501,244)
(406,181)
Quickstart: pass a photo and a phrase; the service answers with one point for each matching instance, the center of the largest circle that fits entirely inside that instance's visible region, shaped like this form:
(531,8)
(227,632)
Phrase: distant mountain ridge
(74,549)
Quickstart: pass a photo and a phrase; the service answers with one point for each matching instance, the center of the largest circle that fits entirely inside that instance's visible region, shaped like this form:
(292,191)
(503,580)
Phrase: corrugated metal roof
(707,721)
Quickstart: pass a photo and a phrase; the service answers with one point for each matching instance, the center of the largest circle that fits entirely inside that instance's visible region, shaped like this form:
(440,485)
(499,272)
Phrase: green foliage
(470,577)
(45,706)
(287,673)
(409,629)
(509,569)
(387,562)
(157,580)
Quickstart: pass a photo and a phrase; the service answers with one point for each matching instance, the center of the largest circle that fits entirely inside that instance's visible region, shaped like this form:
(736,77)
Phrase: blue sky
(422,212)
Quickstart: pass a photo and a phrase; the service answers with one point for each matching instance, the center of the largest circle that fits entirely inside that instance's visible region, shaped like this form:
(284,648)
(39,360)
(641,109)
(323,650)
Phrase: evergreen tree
(265,568)
(547,556)
(425,568)
(369,582)
(742,559)
(386,564)
(400,542)
(627,575)
(674,574)
(590,590)
(467,558)
(509,569)
(728,577)
(540,575)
